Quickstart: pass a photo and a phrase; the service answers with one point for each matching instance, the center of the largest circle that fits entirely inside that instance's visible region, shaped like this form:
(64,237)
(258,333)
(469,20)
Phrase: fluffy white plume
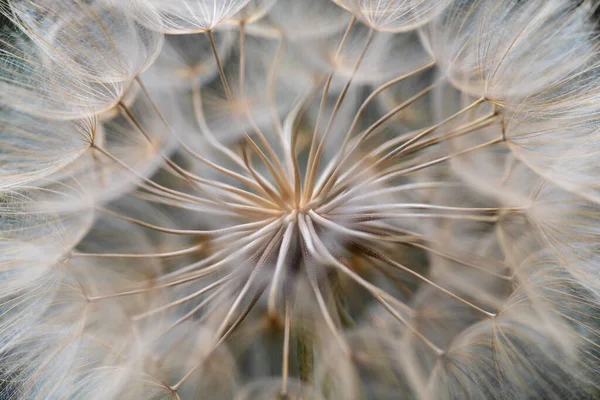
(510,50)
(394,15)
(184,16)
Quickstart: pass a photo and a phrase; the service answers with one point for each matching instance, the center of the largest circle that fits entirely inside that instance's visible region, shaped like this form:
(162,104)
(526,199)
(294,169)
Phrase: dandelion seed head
(278,199)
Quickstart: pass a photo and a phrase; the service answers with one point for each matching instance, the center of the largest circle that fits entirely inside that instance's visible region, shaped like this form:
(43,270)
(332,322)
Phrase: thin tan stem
(314,283)
(242,73)
(220,341)
(319,251)
(314,165)
(255,272)
(273,195)
(388,175)
(192,232)
(187,298)
(275,170)
(285,368)
(169,254)
(379,256)
(331,178)
(279,267)
(313,146)
(149,182)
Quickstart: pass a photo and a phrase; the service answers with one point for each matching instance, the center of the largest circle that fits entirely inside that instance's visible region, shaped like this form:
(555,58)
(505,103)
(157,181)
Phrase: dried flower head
(280,199)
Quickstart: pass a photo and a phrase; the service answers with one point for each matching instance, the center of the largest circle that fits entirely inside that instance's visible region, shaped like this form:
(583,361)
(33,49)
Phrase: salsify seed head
(280,199)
